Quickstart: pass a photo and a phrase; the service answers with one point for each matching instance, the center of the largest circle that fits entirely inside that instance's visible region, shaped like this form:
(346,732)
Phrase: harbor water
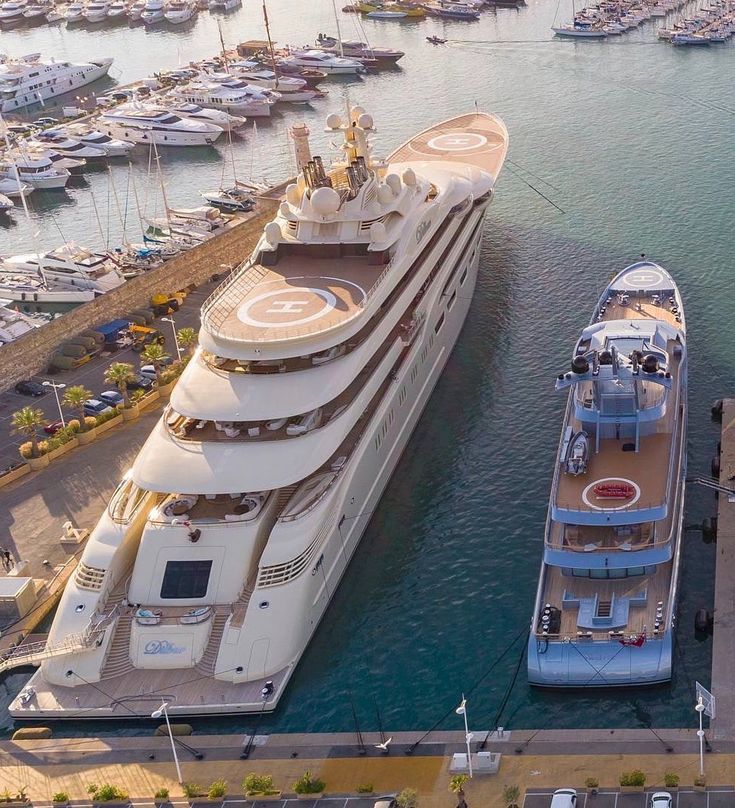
(618,148)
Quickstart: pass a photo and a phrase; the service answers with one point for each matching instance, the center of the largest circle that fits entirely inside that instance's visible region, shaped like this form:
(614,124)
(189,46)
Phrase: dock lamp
(462,710)
(699,707)
(176,338)
(57,387)
(161,711)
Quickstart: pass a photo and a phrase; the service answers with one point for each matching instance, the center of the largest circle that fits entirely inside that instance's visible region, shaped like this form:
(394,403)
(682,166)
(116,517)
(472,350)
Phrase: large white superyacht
(606,604)
(219,552)
(31,80)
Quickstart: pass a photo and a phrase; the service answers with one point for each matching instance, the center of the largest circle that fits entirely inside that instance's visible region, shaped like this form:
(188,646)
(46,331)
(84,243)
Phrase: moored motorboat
(606,603)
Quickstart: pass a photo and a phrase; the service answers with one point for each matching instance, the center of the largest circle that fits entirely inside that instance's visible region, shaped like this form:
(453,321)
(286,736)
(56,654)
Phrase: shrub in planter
(108,793)
(511,795)
(408,798)
(636,778)
(192,790)
(258,784)
(105,416)
(592,784)
(161,795)
(306,784)
(217,790)
(365,788)
(19,796)
(74,425)
(60,798)
(699,782)
(90,421)
(671,780)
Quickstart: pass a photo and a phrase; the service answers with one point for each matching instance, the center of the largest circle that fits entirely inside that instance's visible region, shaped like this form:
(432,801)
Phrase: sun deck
(578,598)
(477,139)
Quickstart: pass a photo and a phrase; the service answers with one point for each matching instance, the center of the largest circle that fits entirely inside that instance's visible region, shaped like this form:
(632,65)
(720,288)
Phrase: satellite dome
(325,201)
(393,181)
(334,121)
(285,209)
(409,177)
(378,233)
(385,195)
(272,233)
(365,121)
(292,194)
(357,110)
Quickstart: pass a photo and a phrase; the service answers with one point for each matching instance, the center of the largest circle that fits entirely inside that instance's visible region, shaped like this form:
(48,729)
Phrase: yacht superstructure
(605,608)
(30,80)
(219,552)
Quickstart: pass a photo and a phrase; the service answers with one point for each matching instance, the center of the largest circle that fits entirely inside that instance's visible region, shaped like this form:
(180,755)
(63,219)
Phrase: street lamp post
(699,707)
(161,711)
(176,338)
(57,387)
(462,710)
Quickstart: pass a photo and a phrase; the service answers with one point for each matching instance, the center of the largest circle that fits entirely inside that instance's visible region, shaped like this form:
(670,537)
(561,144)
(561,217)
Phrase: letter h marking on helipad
(287,306)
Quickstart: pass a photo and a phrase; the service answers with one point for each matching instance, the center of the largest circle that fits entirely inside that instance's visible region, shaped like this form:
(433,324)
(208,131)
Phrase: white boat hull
(132,134)
(69,84)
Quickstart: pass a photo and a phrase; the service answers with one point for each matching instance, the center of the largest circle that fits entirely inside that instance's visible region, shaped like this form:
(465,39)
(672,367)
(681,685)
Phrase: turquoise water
(631,138)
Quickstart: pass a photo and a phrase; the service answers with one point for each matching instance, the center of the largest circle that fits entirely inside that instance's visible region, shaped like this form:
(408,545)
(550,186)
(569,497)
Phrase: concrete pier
(723,646)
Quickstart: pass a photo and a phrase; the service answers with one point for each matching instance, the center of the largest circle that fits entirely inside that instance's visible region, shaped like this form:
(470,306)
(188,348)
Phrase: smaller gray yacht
(605,608)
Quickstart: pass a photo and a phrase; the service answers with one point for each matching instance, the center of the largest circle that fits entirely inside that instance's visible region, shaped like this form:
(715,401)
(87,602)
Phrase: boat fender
(580,365)
(716,409)
(703,621)
(709,529)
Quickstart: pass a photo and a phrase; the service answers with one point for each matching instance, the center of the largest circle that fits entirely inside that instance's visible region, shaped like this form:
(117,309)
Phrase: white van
(564,798)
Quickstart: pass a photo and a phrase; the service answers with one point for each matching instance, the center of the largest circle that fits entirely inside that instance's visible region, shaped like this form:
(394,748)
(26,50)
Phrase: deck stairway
(118,658)
(209,657)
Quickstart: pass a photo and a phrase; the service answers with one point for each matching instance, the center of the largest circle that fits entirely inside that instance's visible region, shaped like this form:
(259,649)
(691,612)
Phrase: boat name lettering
(422,229)
(163,647)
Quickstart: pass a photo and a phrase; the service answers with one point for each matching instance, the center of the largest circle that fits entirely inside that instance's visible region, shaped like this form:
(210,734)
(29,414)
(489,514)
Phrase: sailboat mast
(339,33)
(163,188)
(224,50)
(4,130)
(270,42)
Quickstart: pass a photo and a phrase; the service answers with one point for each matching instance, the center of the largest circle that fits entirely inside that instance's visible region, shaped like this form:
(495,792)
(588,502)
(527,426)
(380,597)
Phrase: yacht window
(186,579)
(439,324)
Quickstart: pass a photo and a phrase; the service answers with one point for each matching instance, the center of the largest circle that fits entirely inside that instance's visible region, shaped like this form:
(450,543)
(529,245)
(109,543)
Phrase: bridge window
(186,579)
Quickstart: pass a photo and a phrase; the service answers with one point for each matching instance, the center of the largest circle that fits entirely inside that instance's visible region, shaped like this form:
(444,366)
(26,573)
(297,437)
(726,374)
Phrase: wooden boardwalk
(723,646)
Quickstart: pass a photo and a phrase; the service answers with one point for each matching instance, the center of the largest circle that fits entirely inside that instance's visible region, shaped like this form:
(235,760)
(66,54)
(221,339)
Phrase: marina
(555,243)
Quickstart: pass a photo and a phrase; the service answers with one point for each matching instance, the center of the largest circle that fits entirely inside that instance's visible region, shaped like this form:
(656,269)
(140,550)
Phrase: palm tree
(187,338)
(74,398)
(119,374)
(26,422)
(155,355)
(511,795)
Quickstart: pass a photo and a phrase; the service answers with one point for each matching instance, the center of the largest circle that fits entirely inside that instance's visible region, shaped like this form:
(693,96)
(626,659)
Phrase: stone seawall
(30,354)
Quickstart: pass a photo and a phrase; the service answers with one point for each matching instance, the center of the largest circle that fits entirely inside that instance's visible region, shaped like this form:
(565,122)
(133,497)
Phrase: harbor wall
(30,354)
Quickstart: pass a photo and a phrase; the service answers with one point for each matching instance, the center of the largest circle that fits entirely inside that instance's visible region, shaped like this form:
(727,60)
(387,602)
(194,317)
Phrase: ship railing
(220,305)
(34,652)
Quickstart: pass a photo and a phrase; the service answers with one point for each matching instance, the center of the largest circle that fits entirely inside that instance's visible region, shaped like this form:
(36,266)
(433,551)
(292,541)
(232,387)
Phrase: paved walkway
(723,648)
(428,774)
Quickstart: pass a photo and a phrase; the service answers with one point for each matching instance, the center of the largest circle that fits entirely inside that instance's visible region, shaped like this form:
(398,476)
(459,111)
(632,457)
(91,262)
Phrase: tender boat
(326,62)
(232,199)
(605,609)
(355,49)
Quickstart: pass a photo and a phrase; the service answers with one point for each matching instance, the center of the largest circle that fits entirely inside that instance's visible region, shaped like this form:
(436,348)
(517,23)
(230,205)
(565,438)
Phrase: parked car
(150,372)
(31,388)
(46,121)
(111,397)
(661,799)
(388,802)
(564,798)
(53,427)
(140,383)
(93,406)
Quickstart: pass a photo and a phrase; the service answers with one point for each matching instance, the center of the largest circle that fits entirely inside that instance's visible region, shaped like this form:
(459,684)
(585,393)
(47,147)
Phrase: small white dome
(356,111)
(409,177)
(385,195)
(393,181)
(378,233)
(365,121)
(273,233)
(285,210)
(292,194)
(325,201)
(334,121)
